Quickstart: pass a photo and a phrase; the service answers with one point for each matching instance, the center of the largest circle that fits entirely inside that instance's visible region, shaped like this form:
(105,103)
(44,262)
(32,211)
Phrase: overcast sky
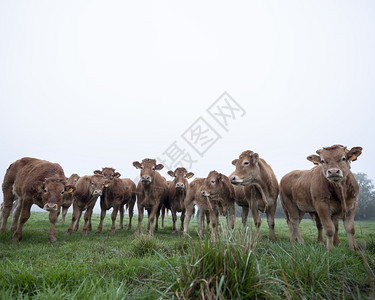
(92,84)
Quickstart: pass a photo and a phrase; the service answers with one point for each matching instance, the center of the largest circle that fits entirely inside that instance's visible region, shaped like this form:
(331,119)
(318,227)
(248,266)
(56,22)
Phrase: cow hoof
(16,239)
(69,233)
(129,227)
(84,233)
(112,231)
(53,239)
(98,231)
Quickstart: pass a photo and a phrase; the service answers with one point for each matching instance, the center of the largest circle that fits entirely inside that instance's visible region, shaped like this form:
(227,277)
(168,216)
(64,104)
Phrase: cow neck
(340,192)
(264,199)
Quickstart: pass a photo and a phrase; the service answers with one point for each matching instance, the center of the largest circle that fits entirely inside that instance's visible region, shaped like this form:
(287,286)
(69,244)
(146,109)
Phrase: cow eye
(343,159)
(62,193)
(212,181)
(153,169)
(246,163)
(322,161)
(92,183)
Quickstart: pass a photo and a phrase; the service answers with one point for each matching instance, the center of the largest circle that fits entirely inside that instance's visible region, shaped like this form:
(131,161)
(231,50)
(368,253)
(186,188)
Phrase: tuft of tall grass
(225,269)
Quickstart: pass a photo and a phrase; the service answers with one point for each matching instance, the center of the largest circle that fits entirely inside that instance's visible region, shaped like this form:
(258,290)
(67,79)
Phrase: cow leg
(17,206)
(208,219)
(174,219)
(140,218)
(78,219)
(148,219)
(113,217)
(122,211)
(25,215)
(336,240)
(131,212)
(103,211)
(87,218)
(189,207)
(319,227)
(231,216)
(182,217)
(7,205)
(328,225)
(200,217)
(244,215)
(52,221)
(271,221)
(349,227)
(157,219)
(64,211)
(214,223)
(162,216)
(76,212)
(155,212)
(256,217)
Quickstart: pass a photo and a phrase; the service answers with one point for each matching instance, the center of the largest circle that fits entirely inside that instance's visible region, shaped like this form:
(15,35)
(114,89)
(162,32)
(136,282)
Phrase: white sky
(91,84)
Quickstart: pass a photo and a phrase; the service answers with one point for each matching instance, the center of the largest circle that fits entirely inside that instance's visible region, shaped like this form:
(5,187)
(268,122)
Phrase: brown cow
(214,194)
(129,199)
(68,197)
(329,190)
(261,188)
(176,194)
(34,181)
(88,189)
(113,196)
(152,191)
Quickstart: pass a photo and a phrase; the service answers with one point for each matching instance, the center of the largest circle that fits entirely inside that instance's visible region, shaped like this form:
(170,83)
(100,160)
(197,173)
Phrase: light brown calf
(261,188)
(33,181)
(88,189)
(68,197)
(177,193)
(328,190)
(152,192)
(214,194)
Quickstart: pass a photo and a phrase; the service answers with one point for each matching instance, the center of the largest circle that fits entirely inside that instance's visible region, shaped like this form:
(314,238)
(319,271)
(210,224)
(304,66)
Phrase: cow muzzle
(205,194)
(50,207)
(97,193)
(146,180)
(236,180)
(334,175)
(180,186)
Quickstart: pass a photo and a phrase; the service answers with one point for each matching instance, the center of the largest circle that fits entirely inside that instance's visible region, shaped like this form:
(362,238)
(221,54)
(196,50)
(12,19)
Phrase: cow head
(72,180)
(97,183)
(247,168)
(215,185)
(180,175)
(148,168)
(52,191)
(108,173)
(335,161)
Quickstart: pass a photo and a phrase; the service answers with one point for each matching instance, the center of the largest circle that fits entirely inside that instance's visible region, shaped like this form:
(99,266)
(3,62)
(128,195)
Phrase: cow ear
(234,161)
(219,177)
(98,172)
(137,165)
(315,159)
(70,188)
(171,173)
(117,175)
(354,153)
(159,167)
(256,158)
(189,175)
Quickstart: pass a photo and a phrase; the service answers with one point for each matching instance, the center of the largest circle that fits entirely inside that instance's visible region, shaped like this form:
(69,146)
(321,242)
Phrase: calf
(88,189)
(261,188)
(112,196)
(176,194)
(214,194)
(328,190)
(129,199)
(68,197)
(152,191)
(33,181)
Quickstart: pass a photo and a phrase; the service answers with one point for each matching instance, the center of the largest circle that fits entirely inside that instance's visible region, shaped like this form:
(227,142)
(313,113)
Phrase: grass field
(237,266)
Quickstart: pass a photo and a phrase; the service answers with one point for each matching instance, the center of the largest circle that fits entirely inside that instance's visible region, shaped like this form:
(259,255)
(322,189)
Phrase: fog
(105,83)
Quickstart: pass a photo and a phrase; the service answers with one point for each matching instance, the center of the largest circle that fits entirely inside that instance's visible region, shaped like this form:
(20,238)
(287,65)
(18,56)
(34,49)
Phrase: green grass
(172,266)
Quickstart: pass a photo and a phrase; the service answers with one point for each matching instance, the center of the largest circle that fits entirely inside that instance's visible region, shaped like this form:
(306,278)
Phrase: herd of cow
(328,192)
